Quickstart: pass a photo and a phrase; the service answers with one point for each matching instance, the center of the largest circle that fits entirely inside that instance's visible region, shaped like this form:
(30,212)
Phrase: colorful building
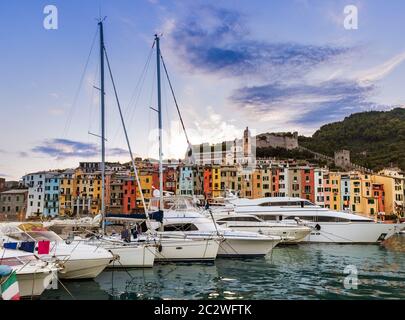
(13,205)
(307,184)
(51,205)
(216,181)
(185,184)
(67,192)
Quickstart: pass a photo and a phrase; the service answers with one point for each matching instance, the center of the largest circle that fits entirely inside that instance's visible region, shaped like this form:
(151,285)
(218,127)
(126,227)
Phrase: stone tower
(246,143)
(342,159)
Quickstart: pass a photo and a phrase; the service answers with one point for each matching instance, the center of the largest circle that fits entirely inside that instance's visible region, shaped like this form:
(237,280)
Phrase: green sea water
(305,271)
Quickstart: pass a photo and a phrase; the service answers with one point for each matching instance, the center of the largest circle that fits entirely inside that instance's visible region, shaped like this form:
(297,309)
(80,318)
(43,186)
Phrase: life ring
(318,227)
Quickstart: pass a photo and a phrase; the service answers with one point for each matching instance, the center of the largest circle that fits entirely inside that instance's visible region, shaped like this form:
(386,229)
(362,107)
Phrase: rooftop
(15,191)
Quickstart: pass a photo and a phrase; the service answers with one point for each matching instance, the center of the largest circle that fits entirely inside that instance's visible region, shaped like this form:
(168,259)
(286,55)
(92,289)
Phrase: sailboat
(128,254)
(171,247)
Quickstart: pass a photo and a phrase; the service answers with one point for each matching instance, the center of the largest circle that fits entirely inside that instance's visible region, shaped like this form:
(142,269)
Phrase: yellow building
(146,181)
(87,198)
(229,179)
(266,182)
(67,194)
(216,181)
(362,198)
(335,191)
(257,185)
(393,182)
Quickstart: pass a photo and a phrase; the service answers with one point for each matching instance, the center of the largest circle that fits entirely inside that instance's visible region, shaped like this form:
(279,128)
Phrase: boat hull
(187,250)
(350,232)
(33,285)
(83,268)
(288,234)
(246,247)
(141,256)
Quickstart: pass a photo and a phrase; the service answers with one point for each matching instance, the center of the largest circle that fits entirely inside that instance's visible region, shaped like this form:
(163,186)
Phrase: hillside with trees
(376,139)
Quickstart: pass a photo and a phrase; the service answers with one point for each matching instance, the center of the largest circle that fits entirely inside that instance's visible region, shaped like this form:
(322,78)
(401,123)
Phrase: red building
(169,178)
(129,195)
(208,182)
(308,184)
(378,194)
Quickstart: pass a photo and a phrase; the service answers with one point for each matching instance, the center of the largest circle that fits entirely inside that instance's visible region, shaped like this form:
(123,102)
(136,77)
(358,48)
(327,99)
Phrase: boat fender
(318,227)
(5,270)
(160,248)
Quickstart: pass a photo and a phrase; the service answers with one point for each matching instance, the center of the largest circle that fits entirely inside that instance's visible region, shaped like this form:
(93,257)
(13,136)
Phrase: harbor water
(305,271)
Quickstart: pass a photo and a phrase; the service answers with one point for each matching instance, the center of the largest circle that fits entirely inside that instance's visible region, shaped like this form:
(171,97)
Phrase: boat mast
(102,124)
(160,123)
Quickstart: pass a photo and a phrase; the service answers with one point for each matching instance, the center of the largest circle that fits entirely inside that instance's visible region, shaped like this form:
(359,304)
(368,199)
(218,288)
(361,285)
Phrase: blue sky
(270,65)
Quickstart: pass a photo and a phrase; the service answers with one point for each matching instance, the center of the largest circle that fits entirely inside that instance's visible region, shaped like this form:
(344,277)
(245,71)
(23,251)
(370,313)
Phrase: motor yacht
(34,275)
(327,226)
(80,260)
(182,218)
(291,231)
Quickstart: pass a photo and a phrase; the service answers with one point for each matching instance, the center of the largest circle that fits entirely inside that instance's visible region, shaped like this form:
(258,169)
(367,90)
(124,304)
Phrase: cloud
(23,154)
(306,103)
(63,148)
(382,70)
(3,175)
(216,41)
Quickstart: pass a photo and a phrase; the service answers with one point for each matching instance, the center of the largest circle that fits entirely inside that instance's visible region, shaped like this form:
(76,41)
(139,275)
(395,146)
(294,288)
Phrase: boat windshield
(178,203)
(34,235)
(17,261)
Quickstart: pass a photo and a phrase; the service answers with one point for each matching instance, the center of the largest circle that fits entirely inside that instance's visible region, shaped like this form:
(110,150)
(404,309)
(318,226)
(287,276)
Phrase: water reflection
(291,272)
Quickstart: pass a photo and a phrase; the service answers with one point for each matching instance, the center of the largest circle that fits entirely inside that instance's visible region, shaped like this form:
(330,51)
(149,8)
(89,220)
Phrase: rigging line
(92,96)
(128,113)
(127,140)
(169,136)
(73,106)
(174,98)
(150,105)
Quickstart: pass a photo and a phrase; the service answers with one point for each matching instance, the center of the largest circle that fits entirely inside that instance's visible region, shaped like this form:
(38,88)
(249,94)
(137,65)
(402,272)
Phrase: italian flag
(9,289)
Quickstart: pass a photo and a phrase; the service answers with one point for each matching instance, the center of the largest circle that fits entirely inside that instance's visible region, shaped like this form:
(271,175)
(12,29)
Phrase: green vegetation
(376,139)
(296,154)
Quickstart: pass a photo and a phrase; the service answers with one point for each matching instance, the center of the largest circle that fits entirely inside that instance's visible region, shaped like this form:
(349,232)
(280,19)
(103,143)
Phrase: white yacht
(169,247)
(328,226)
(34,276)
(290,231)
(79,260)
(182,218)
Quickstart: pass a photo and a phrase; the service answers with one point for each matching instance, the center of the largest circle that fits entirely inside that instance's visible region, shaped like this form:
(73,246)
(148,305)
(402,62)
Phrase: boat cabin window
(320,218)
(251,219)
(307,218)
(287,204)
(329,219)
(180,227)
(267,217)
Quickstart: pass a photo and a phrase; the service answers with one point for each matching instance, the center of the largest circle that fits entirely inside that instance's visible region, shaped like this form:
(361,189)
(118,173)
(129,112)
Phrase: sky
(278,65)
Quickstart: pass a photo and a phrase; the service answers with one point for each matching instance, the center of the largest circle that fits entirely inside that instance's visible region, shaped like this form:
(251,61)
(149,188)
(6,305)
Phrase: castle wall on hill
(277,140)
